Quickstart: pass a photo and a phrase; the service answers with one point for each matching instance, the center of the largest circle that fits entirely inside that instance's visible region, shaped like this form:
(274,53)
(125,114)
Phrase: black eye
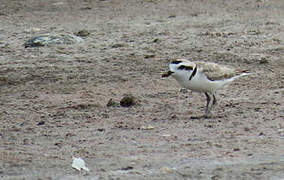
(187,68)
(176,62)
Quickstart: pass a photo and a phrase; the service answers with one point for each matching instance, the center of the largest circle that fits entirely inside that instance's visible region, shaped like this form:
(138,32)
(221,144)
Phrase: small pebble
(127,101)
(40,123)
(83,33)
(101,129)
(126,168)
(263,60)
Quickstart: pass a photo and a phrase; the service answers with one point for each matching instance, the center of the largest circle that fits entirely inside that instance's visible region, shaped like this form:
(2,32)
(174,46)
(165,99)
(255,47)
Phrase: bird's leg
(214,100)
(208,100)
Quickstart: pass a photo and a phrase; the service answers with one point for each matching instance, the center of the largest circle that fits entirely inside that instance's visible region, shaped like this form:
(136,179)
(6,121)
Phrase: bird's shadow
(205,117)
(200,117)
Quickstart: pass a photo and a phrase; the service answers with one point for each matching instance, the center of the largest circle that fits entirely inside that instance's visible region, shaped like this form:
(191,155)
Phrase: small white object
(149,127)
(79,164)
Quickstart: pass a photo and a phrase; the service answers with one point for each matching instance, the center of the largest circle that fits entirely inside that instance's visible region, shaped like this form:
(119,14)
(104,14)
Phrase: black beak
(167,74)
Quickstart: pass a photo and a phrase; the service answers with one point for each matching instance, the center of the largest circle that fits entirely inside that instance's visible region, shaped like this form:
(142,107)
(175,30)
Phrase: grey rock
(52,39)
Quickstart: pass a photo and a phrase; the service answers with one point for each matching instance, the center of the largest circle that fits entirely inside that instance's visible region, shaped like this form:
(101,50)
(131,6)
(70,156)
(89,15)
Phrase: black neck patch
(193,73)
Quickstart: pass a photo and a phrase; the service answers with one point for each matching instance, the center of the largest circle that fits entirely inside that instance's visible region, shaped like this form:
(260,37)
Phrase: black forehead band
(176,61)
(187,68)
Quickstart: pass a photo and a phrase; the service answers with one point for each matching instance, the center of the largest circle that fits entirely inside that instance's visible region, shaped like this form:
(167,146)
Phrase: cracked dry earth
(53,100)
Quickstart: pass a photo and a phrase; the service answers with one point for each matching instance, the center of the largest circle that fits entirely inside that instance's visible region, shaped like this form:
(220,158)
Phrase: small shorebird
(205,77)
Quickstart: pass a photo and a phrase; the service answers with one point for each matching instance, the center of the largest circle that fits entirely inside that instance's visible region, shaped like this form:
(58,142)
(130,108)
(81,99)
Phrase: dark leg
(208,99)
(214,100)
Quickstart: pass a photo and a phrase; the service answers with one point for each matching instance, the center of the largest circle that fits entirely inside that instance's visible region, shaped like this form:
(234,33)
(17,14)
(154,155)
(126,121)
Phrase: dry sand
(54,99)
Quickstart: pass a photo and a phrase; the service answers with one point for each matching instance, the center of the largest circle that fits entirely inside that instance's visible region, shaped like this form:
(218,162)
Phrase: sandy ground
(54,99)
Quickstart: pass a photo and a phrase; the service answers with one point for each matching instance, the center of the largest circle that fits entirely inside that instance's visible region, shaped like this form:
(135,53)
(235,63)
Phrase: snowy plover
(205,77)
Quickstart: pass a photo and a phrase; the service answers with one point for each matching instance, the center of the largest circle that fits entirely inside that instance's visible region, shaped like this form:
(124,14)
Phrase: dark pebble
(40,123)
(127,101)
(101,129)
(127,168)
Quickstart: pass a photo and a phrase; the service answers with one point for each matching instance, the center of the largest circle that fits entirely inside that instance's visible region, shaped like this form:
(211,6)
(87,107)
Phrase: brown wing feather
(215,71)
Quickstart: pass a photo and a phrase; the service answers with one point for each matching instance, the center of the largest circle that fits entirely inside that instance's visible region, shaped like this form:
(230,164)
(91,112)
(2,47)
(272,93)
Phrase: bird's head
(179,66)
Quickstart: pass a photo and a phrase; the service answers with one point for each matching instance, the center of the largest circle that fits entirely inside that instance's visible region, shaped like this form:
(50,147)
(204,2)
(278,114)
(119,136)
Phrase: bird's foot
(207,116)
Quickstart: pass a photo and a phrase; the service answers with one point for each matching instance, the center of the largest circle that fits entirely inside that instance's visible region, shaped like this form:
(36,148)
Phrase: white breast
(199,82)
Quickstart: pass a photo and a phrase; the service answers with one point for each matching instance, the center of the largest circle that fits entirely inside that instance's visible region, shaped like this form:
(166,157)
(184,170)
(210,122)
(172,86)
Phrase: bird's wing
(215,71)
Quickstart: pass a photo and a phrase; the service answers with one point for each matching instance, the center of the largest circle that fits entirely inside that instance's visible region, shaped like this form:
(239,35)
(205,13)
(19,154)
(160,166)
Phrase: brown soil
(54,99)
